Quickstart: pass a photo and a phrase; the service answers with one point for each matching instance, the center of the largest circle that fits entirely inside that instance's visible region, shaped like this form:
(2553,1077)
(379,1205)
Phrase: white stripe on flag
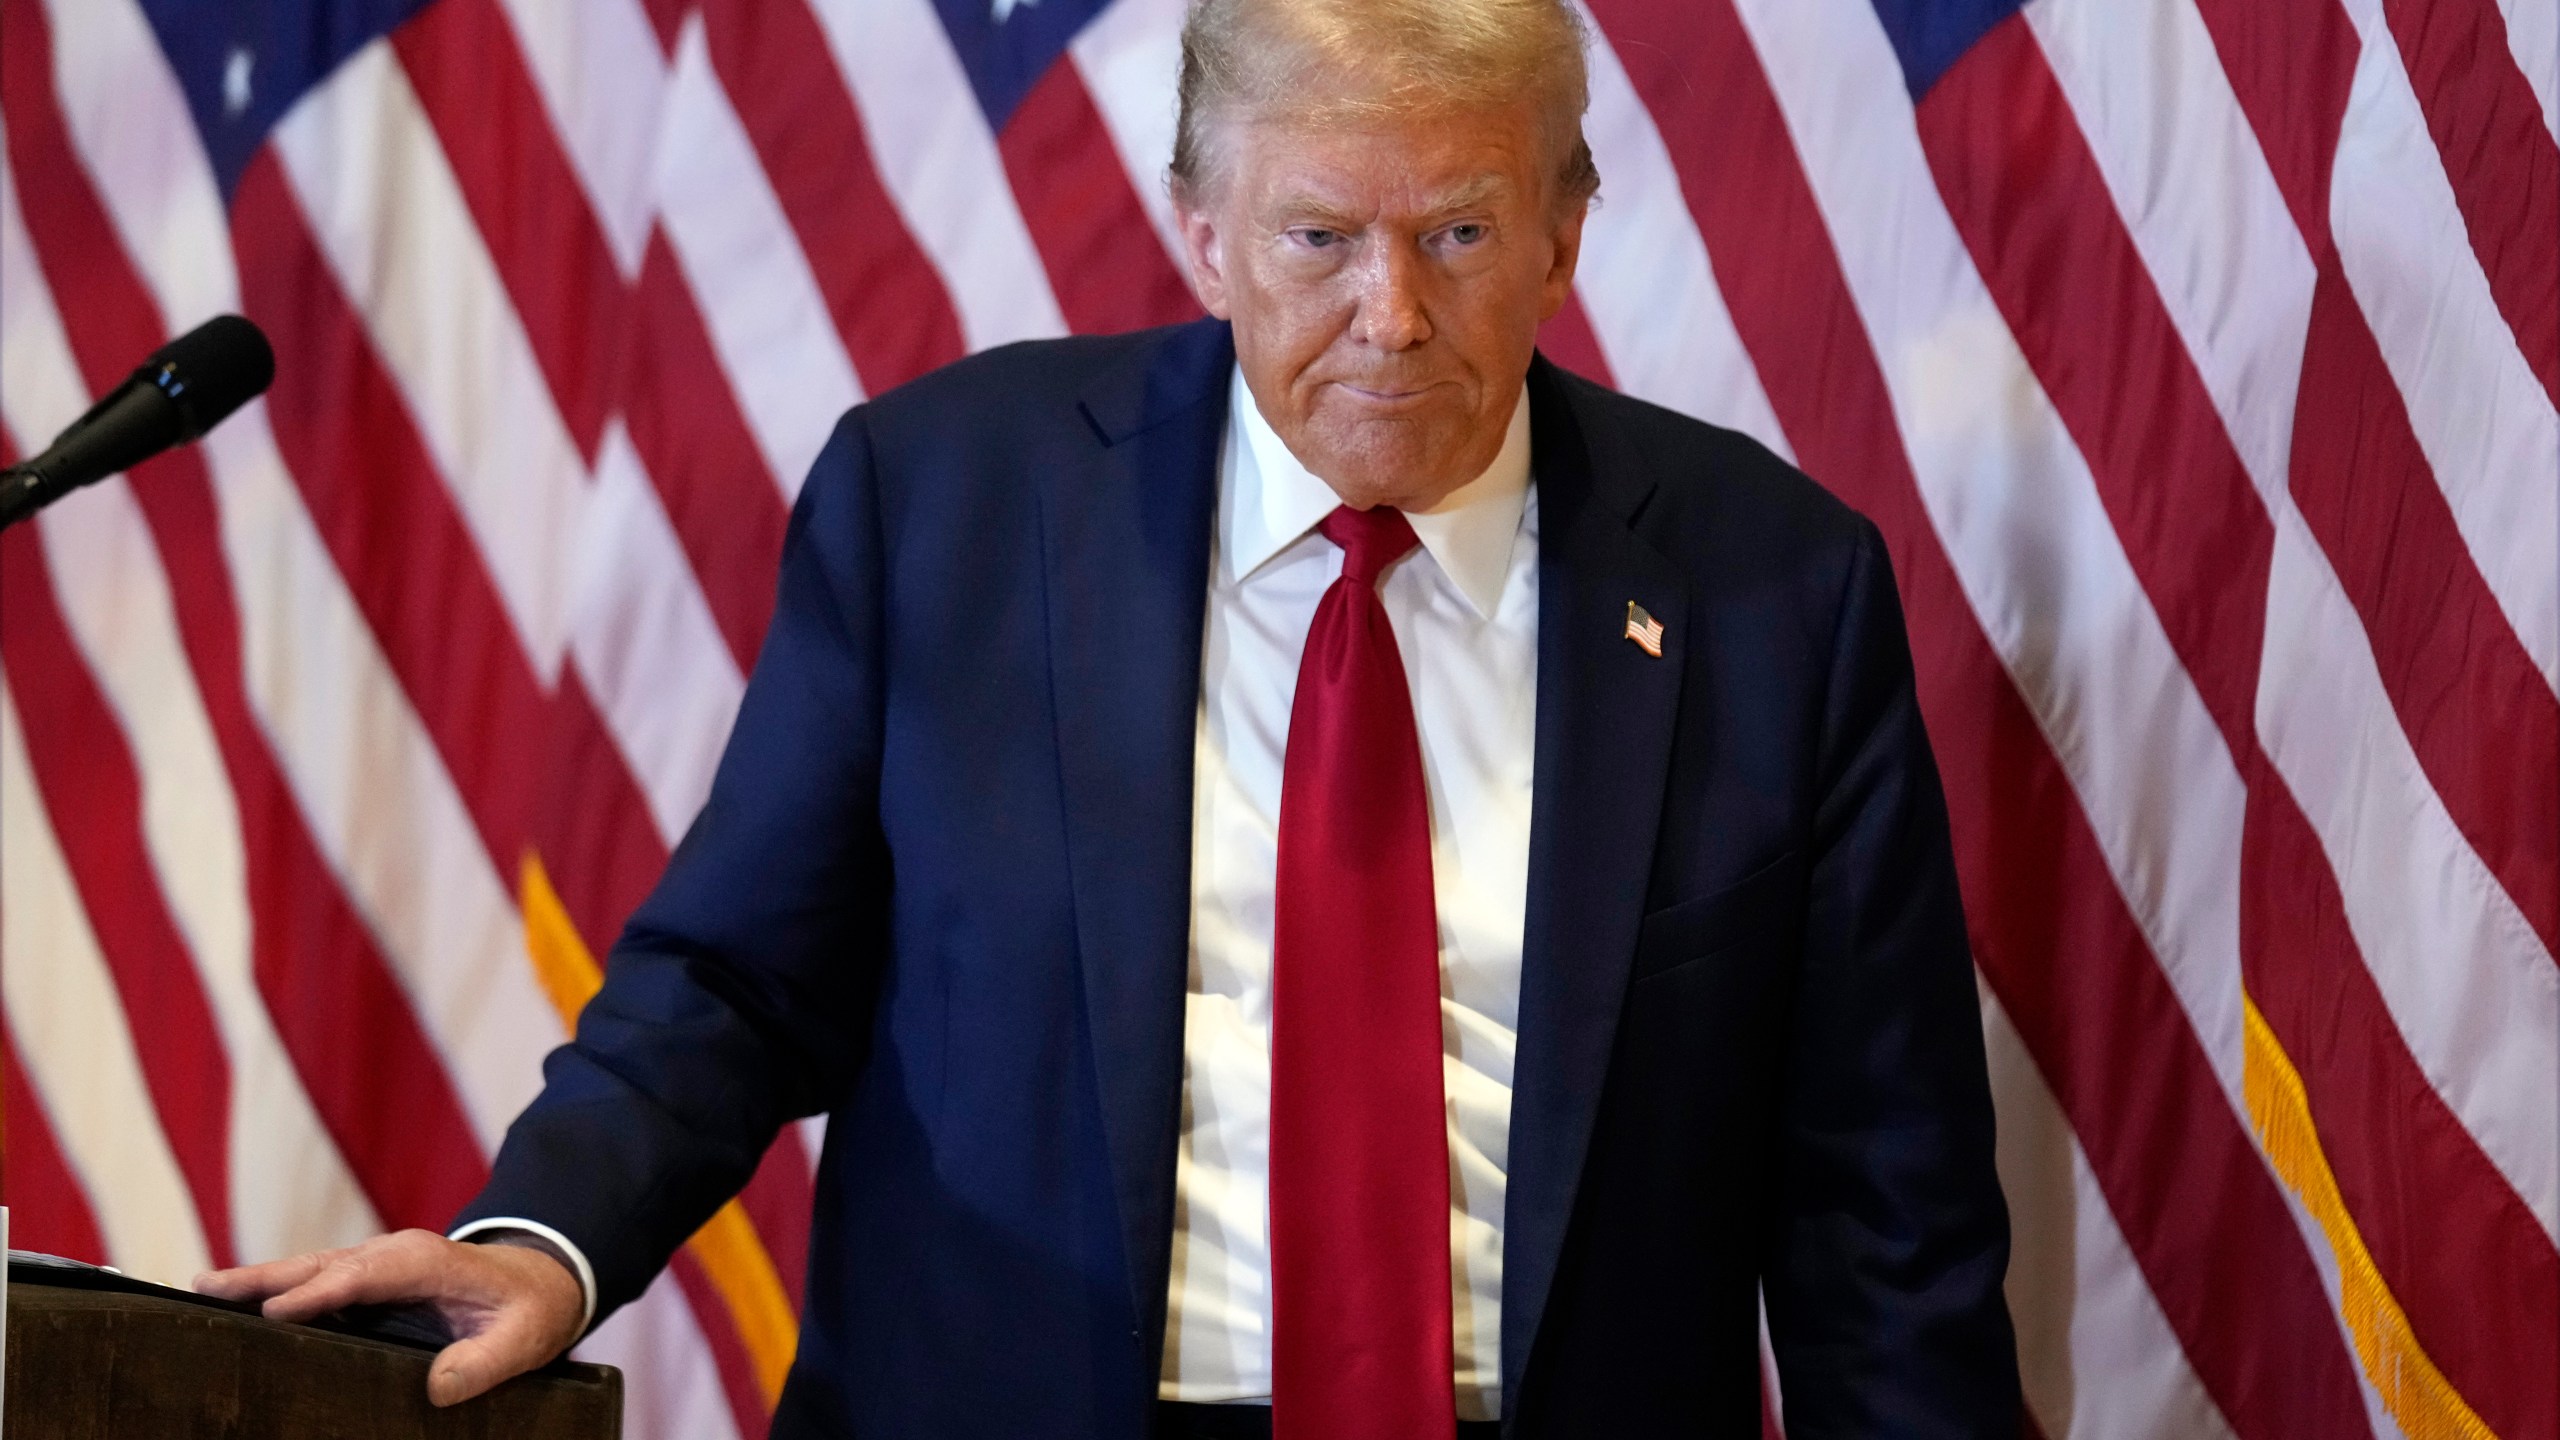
(2465,978)
(2199,202)
(2205,214)
(379,803)
(1129,56)
(603,83)
(2533,38)
(290,1189)
(129,120)
(41,390)
(671,1391)
(358,148)
(655,664)
(939,163)
(2095,1354)
(2004,486)
(751,280)
(2014,504)
(380,807)
(69,1029)
(2483,419)
(1645,278)
(486,411)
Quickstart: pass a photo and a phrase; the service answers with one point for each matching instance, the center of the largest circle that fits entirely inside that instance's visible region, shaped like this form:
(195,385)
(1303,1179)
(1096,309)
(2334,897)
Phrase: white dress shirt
(1464,607)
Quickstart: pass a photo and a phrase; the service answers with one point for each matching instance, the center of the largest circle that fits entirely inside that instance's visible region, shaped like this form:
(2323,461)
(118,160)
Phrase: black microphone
(183,390)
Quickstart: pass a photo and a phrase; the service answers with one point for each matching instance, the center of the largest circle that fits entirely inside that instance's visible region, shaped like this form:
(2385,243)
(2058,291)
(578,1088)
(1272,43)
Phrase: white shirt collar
(1268,500)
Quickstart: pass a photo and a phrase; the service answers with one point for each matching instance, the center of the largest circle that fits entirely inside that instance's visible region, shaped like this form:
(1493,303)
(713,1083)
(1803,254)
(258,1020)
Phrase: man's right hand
(509,1308)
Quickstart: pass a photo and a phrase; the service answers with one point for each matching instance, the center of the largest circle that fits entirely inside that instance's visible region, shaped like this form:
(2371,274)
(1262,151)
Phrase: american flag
(2198,358)
(1643,629)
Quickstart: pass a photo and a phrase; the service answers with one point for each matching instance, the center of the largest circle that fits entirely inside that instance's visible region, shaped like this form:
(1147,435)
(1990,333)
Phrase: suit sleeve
(738,994)
(1889,1237)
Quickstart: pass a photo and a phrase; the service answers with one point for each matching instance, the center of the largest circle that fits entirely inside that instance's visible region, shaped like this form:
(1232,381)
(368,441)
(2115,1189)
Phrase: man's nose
(1391,315)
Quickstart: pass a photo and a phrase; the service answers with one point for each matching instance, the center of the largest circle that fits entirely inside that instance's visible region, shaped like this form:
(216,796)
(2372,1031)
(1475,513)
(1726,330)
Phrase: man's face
(1386,283)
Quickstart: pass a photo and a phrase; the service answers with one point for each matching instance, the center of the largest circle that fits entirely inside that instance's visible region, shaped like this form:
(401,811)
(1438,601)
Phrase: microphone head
(212,370)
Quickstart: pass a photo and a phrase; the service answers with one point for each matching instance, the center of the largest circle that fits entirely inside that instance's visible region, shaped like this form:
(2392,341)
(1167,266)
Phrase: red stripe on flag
(470,77)
(48,1211)
(888,303)
(2504,166)
(687,427)
(387,518)
(318,972)
(2451,663)
(399,540)
(777,1199)
(597,341)
(1568,340)
(371,1073)
(2469,1264)
(53,1212)
(602,852)
(601,849)
(92,793)
(598,842)
(2214,1238)
(373,1076)
(2204,1219)
(2292,65)
(729,1358)
(2036,215)
(410,561)
(666,17)
(1105,264)
(2485,725)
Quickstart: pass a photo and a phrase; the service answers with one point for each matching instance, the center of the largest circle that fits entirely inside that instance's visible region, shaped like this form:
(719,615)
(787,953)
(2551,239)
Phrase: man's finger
(523,1306)
(257,1282)
(476,1365)
(386,1270)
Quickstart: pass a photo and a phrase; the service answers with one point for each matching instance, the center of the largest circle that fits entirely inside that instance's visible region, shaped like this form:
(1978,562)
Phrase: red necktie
(1359,1137)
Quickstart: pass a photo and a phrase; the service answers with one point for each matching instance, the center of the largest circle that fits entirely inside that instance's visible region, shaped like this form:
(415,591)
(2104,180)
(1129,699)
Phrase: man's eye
(1467,234)
(1316,239)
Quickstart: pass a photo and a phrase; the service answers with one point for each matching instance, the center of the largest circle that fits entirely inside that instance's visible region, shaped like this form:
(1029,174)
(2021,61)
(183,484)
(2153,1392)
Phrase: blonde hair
(1261,58)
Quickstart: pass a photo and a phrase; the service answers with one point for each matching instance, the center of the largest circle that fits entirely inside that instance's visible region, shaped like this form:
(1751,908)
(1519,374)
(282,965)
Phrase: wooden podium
(94,1356)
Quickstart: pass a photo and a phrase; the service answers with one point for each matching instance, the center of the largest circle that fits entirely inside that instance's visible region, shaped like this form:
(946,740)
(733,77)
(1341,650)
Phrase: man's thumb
(471,1367)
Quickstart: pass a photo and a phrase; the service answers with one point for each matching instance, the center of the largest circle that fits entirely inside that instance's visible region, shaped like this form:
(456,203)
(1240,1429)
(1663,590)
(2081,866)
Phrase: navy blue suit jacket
(941,892)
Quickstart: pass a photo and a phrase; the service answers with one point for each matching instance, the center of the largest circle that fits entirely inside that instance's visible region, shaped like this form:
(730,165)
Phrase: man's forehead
(1290,186)
(1434,165)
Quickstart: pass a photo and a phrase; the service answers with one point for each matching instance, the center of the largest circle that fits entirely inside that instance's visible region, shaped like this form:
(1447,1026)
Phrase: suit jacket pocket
(1767,901)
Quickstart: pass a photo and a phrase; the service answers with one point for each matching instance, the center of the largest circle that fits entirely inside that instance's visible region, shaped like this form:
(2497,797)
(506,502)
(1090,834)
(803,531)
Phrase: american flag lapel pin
(1644,630)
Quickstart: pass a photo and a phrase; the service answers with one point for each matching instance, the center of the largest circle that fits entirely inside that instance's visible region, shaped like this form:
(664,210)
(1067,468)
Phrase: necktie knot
(1371,540)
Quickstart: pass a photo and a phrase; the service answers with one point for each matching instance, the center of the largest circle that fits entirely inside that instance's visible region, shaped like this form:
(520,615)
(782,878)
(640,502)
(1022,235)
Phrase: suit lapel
(1605,718)
(1126,548)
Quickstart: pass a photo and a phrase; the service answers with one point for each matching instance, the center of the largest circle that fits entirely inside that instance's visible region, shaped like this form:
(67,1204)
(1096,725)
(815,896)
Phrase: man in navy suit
(1331,878)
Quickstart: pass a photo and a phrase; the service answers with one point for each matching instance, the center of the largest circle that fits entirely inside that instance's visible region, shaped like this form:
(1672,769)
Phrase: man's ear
(1202,255)
(1568,253)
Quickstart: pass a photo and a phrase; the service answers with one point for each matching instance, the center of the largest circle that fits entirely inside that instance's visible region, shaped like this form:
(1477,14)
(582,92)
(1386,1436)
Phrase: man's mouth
(1387,396)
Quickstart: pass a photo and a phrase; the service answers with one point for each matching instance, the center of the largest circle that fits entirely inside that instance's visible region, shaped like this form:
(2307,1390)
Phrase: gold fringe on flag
(731,1253)
(2412,1388)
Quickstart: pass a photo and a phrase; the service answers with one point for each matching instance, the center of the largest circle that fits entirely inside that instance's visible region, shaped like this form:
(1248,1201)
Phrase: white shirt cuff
(577,1257)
